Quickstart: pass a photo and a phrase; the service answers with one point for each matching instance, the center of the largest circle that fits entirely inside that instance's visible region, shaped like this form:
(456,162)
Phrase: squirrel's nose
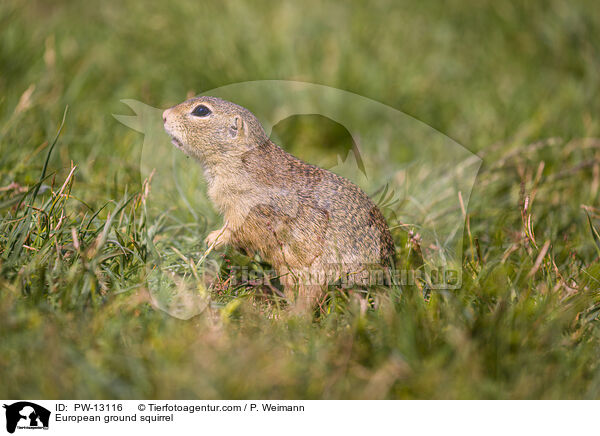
(165,114)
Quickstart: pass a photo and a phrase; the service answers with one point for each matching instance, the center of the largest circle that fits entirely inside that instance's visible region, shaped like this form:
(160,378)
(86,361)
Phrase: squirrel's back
(354,225)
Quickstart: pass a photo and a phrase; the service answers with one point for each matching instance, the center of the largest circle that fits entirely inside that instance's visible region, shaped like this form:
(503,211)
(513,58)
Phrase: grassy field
(518,83)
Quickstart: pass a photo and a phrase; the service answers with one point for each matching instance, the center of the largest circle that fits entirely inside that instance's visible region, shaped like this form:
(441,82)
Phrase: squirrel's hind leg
(302,292)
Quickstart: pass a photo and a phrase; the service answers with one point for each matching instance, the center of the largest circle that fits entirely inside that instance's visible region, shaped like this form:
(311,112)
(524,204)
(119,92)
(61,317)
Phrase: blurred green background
(516,82)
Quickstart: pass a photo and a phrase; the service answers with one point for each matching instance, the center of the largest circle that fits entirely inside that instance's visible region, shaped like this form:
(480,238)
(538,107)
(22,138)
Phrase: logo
(419,178)
(26,415)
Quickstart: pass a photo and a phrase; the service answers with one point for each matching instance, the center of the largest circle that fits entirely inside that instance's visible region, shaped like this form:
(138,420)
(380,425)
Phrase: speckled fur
(300,218)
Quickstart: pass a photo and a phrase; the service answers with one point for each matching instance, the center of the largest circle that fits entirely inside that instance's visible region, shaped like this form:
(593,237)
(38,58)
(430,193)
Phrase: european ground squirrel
(312,225)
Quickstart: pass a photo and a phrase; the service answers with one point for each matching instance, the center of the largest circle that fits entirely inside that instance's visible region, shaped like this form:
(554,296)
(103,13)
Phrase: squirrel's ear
(237,127)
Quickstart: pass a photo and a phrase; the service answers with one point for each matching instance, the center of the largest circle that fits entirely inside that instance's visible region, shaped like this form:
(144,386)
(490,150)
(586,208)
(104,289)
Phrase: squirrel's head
(209,128)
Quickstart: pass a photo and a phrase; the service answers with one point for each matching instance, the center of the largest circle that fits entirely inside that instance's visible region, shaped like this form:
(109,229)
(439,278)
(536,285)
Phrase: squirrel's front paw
(218,237)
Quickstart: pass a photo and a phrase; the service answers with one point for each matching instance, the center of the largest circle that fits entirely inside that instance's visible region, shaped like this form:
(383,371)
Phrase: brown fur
(300,218)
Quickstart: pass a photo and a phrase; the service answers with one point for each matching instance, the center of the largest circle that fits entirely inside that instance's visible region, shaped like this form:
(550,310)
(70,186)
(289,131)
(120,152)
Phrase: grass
(516,83)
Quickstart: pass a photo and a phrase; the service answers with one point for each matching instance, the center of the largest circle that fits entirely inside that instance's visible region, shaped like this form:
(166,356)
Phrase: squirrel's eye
(201,111)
